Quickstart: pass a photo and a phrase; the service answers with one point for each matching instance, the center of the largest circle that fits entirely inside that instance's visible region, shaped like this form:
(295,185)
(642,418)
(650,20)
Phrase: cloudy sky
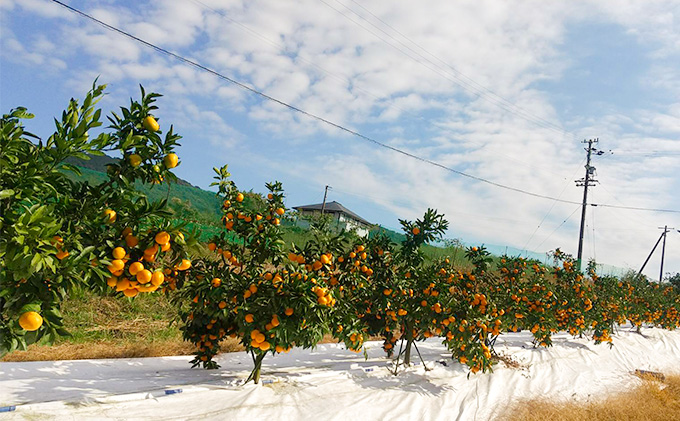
(501,90)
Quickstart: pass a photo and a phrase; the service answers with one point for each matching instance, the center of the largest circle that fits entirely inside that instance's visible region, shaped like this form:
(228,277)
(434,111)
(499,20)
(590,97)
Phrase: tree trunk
(255,374)
(409,343)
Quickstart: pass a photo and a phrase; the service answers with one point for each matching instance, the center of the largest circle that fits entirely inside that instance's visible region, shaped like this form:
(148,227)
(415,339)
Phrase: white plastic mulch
(331,383)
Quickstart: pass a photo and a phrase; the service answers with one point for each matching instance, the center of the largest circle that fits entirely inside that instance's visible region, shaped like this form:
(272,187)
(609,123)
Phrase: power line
(559,226)
(382,198)
(482,91)
(391,104)
(552,207)
(458,72)
(330,123)
(282,47)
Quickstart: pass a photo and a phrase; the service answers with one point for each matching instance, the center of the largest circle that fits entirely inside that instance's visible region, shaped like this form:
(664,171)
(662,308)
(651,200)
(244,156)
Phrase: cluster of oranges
(237,217)
(132,276)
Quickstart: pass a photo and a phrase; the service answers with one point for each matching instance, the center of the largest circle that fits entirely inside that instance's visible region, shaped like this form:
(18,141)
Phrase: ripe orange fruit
(112,281)
(30,321)
(135,160)
(216,282)
(415,230)
(239,197)
(150,123)
(162,238)
(288,311)
(131,240)
(122,284)
(157,278)
(118,253)
(249,318)
(212,246)
(116,265)
(165,247)
(171,160)
(280,211)
(135,268)
(151,251)
(186,264)
(265,346)
(130,292)
(62,254)
(109,216)
(144,276)
(222,305)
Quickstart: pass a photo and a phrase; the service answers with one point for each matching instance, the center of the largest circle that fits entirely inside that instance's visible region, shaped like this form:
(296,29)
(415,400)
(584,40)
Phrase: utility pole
(663,250)
(666,230)
(323,206)
(586,182)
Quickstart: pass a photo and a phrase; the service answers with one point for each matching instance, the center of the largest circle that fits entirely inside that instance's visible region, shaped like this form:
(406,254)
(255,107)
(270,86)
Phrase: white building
(343,218)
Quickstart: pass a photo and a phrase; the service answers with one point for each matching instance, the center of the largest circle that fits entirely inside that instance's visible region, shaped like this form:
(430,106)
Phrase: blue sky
(428,80)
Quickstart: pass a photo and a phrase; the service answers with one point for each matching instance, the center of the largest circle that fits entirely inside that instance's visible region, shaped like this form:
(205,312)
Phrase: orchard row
(273,296)
(247,283)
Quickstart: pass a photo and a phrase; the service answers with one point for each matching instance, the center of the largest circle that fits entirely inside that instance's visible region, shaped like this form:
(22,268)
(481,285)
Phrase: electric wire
(552,206)
(558,227)
(456,71)
(337,126)
(342,79)
(303,59)
(495,99)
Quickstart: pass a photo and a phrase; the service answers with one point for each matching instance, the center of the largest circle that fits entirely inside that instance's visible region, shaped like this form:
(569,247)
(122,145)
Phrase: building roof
(332,207)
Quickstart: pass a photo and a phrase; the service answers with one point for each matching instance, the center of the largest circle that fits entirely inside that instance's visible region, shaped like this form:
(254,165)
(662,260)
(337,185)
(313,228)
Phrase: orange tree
(401,300)
(574,295)
(417,305)
(248,289)
(343,262)
(57,232)
(527,298)
(472,320)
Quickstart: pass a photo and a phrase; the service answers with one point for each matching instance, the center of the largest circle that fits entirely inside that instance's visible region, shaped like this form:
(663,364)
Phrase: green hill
(199,207)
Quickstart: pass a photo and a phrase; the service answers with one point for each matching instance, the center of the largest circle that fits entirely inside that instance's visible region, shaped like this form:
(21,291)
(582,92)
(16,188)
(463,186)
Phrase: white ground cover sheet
(331,383)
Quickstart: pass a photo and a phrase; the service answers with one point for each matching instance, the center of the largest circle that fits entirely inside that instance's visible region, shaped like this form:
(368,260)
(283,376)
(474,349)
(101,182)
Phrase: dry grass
(111,349)
(652,400)
(100,349)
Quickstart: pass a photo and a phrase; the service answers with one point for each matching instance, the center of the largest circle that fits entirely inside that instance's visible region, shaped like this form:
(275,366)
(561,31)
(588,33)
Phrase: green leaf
(4,194)
(30,307)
